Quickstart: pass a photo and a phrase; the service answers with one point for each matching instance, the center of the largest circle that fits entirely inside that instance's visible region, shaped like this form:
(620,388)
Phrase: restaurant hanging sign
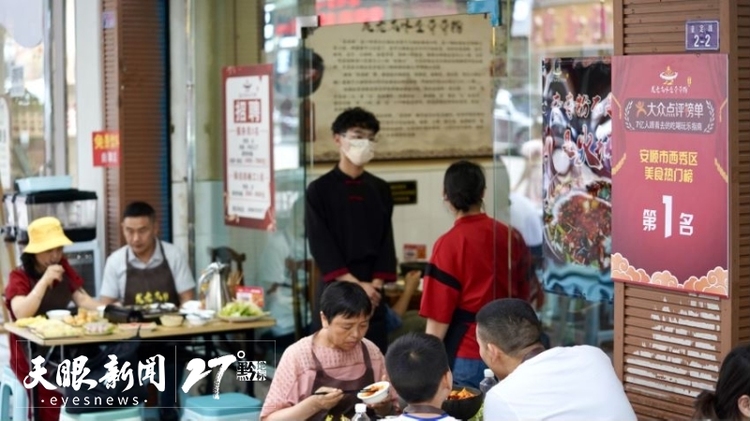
(670,211)
(248,147)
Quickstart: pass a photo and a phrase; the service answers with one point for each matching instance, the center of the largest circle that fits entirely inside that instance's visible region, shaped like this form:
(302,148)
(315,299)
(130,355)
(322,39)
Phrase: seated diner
(321,374)
(45,281)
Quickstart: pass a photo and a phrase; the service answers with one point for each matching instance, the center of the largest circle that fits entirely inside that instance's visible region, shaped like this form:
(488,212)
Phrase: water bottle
(360,412)
(489,380)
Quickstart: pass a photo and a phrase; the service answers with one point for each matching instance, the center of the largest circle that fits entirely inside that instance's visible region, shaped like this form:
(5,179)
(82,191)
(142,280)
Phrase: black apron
(457,329)
(152,280)
(56,298)
(346,404)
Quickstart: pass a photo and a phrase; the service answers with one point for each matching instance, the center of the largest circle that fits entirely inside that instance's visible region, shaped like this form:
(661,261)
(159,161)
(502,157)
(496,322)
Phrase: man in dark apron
(149,271)
(157,280)
(146,270)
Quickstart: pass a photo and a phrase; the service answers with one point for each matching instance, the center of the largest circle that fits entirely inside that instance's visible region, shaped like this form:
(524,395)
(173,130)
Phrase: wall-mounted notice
(427,80)
(106,148)
(670,212)
(248,159)
(404,192)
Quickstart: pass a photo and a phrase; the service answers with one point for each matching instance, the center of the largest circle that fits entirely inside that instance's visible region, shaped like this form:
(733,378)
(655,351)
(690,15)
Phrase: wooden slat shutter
(136,103)
(669,346)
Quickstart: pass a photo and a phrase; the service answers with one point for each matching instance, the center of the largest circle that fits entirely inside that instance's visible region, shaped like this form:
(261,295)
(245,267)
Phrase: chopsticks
(345,391)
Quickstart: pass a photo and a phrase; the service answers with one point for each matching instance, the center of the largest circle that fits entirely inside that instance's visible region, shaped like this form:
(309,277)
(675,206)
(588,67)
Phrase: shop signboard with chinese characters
(670,211)
(106,147)
(248,146)
(426,81)
(577,186)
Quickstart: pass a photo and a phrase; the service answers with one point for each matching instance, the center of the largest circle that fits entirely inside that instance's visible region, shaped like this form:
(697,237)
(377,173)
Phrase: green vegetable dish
(240,309)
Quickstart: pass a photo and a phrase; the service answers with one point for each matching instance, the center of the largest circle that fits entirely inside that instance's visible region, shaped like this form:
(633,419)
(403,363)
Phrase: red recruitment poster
(669,176)
(106,148)
(248,147)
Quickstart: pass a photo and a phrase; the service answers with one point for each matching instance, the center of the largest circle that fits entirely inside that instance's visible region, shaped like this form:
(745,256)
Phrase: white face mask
(359,151)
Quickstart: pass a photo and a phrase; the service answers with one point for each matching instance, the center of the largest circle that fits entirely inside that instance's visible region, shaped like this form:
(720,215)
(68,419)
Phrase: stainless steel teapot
(213,287)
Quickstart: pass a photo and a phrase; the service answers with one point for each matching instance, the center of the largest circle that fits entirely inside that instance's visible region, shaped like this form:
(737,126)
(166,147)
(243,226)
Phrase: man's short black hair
(511,324)
(415,364)
(355,117)
(346,299)
(138,209)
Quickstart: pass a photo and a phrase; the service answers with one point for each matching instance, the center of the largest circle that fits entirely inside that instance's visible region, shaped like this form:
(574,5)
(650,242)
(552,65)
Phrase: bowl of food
(579,228)
(58,314)
(374,393)
(195,320)
(463,402)
(98,328)
(171,320)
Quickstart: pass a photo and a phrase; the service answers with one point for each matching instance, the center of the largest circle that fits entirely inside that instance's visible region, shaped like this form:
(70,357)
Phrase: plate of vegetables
(240,311)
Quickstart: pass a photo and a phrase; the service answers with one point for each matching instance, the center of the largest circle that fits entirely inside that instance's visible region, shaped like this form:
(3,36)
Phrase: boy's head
(355,118)
(418,368)
(354,132)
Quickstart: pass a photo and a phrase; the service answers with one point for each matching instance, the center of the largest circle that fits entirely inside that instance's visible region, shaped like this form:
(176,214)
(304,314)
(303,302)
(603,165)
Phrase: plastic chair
(229,407)
(14,398)
(120,414)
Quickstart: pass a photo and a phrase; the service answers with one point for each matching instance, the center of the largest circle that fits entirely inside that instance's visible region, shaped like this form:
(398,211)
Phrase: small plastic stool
(229,407)
(120,414)
(14,398)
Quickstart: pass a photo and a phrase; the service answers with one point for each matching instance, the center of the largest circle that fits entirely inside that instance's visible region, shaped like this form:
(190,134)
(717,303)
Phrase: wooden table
(213,327)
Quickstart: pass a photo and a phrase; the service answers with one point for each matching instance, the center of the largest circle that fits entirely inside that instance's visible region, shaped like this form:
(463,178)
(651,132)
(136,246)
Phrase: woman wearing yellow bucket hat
(45,281)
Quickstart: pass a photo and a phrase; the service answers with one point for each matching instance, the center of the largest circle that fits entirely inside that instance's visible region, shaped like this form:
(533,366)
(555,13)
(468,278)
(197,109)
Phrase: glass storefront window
(71,131)
(26,148)
(23,68)
(532,30)
(547,31)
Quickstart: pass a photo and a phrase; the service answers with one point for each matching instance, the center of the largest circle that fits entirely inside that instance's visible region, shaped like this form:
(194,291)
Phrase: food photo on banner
(671,210)
(577,192)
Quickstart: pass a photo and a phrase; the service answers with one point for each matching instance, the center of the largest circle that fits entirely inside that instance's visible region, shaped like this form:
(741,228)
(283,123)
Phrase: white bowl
(206,314)
(170,320)
(58,314)
(379,396)
(192,305)
(195,320)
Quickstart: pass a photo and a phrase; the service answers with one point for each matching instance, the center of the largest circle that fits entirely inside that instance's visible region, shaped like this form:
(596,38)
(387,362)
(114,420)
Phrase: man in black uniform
(348,218)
